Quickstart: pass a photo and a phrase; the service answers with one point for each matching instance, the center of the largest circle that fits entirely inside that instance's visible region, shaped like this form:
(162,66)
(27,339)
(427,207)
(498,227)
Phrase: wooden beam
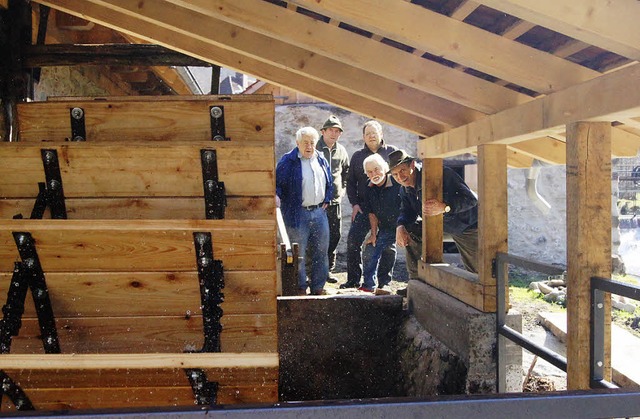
(138,361)
(624,143)
(110,55)
(588,242)
(432,231)
(609,97)
(458,283)
(456,41)
(354,50)
(493,230)
(546,149)
(202,48)
(608,25)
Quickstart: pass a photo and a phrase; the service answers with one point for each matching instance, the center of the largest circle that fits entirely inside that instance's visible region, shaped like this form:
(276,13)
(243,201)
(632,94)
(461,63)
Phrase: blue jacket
(289,185)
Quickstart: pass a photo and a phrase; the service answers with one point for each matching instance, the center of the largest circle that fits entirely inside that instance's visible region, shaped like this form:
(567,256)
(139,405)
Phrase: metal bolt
(209,156)
(216,112)
(210,185)
(22,239)
(600,305)
(599,364)
(77,113)
(204,262)
(40,293)
(78,138)
(201,238)
(218,138)
(30,263)
(49,156)
(54,184)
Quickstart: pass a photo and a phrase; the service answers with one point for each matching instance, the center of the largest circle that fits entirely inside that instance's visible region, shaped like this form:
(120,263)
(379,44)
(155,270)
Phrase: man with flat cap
(459,207)
(338,159)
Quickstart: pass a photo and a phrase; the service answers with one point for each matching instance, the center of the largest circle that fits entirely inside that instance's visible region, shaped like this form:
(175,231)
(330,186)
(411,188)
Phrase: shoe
(402,292)
(320,291)
(365,289)
(332,279)
(348,285)
(301,291)
(384,290)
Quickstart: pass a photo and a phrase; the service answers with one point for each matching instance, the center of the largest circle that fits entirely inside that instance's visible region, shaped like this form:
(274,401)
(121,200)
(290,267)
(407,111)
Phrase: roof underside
(433,67)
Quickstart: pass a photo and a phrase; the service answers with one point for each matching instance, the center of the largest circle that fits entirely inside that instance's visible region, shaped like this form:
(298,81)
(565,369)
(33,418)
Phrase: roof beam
(546,149)
(454,40)
(202,48)
(358,51)
(610,25)
(610,97)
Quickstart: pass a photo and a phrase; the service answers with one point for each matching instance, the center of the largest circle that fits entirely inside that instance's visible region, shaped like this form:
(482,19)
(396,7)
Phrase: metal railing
(555,359)
(600,286)
(288,256)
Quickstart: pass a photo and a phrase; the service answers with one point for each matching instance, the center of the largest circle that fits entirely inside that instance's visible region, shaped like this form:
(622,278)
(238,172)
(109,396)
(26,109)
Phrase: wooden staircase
(147,241)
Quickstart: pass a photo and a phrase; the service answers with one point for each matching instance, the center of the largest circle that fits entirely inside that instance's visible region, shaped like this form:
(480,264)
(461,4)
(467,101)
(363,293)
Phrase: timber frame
(512,81)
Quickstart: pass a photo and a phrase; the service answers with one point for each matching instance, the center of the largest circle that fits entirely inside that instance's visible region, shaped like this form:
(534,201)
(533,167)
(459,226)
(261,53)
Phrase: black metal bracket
(17,396)
(78,131)
(54,193)
(215,199)
(205,391)
(494,268)
(41,202)
(14,308)
(30,272)
(217,123)
(211,278)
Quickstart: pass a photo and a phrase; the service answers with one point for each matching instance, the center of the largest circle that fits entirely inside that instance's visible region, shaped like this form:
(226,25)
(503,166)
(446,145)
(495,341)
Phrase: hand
(356,210)
(402,236)
(277,201)
(324,205)
(432,207)
(371,239)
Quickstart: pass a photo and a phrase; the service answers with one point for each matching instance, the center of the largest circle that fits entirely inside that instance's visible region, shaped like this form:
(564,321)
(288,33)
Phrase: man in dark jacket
(356,187)
(459,206)
(303,191)
(338,159)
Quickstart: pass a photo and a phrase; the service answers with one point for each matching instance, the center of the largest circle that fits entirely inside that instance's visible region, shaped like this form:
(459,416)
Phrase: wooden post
(432,226)
(493,230)
(588,241)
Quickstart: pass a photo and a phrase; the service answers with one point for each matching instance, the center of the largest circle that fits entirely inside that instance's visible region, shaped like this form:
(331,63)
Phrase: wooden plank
(160,294)
(458,283)
(96,170)
(138,361)
(546,149)
(588,242)
(617,93)
(493,229)
(432,232)
(118,246)
(175,208)
(77,378)
(110,398)
(148,120)
(145,334)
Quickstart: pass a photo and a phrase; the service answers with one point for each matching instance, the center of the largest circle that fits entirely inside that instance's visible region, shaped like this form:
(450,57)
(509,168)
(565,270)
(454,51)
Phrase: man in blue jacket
(303,191)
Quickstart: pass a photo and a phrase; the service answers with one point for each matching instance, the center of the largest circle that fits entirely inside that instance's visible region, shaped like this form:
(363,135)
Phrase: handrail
(284,237)
(502,259)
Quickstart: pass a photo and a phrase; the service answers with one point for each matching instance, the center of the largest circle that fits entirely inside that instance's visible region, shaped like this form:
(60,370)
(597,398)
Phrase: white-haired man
(303,191)
(382,206)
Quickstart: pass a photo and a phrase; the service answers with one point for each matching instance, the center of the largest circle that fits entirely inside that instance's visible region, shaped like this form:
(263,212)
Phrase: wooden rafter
(609,25)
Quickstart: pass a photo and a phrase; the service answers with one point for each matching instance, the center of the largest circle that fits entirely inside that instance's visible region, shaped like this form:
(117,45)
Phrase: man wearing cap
(357,184)
(338,159)
(303,191)
(459,207)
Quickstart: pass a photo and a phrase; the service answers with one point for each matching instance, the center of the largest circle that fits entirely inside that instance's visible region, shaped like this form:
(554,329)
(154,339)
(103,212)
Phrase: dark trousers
(334,216)
(357,233)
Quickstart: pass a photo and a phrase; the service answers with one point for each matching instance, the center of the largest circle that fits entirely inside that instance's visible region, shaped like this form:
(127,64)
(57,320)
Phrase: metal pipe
(532,187)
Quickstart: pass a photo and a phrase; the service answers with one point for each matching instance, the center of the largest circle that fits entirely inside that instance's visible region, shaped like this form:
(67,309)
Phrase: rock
(546,289)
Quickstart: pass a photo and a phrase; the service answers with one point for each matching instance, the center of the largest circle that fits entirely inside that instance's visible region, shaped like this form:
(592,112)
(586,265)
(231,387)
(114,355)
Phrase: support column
(493,229)
(588,241)
(432,234)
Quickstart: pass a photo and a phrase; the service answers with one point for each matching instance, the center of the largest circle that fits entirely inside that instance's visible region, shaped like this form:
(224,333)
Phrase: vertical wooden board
(432,233)
(149,120)
(493,228)
(109,294)
(588,240)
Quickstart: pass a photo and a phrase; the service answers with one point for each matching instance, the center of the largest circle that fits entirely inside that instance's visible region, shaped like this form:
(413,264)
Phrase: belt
(312,207)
